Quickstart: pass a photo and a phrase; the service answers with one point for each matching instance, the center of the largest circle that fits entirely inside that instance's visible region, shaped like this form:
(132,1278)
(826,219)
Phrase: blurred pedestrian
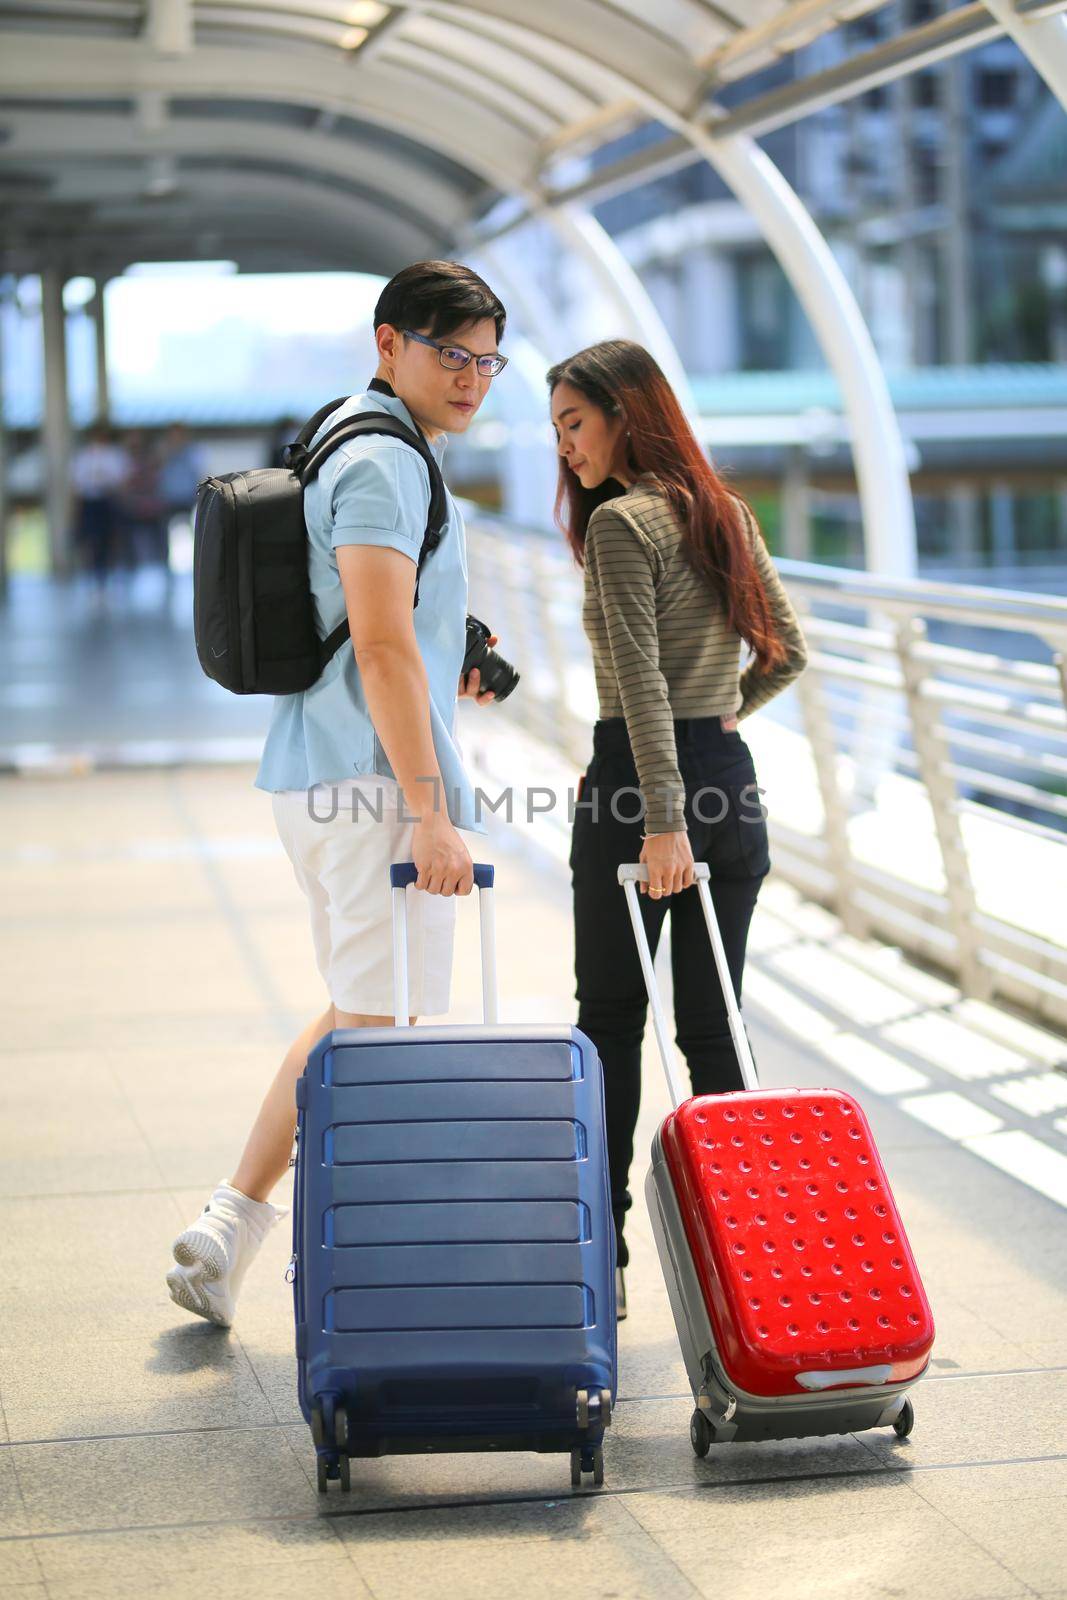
(182,466)
(284,434)
(98,472)
(141,504)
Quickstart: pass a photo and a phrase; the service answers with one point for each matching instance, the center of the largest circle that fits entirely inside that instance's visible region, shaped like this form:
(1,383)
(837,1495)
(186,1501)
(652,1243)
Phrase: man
(363,767)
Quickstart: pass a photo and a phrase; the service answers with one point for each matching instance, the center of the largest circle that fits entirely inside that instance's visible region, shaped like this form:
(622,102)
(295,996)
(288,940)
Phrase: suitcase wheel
(587,1461)
(904,1420)
(700,1433)
(329,1423)
(327,1467)
(318,1431)
(603,1398)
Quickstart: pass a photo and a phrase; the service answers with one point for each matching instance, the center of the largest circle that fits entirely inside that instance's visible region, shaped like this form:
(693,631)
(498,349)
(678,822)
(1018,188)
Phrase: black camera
(497,674)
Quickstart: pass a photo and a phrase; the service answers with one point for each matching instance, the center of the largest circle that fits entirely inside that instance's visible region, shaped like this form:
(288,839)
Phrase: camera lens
(496,673)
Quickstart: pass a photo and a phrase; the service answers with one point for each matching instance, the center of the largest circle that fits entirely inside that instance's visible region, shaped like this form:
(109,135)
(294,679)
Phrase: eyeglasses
(456,358)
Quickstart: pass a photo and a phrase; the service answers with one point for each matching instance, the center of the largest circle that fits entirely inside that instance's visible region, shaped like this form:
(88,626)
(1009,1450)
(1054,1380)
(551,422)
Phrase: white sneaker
(214,1254)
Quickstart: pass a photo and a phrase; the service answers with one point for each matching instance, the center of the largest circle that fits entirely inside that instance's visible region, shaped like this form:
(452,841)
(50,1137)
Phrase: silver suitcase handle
(401,873)
(630,875)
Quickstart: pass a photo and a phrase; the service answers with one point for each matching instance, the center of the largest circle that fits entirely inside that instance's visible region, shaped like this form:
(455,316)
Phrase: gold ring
(656,892)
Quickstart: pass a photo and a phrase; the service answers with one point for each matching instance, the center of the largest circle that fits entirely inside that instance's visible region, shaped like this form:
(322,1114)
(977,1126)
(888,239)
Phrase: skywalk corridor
(147,1454)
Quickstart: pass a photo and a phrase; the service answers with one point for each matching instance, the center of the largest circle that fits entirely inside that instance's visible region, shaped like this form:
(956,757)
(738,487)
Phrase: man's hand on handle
(443,860)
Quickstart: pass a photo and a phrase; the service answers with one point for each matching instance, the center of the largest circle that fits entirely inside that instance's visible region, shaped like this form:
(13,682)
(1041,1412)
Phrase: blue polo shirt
(375,491)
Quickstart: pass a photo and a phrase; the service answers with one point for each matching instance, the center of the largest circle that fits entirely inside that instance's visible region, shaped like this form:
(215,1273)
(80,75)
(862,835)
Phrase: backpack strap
(305,461)
(295,454)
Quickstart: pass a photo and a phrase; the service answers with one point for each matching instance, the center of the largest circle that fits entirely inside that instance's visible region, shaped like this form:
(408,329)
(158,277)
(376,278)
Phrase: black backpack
(253,615)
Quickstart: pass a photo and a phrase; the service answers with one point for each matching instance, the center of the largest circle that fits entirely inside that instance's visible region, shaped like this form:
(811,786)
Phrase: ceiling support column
(55,432)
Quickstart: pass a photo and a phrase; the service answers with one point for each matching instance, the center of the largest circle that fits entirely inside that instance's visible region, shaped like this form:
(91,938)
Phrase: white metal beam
(820,285)
(582,234)
(1043,40)
(539,320)
(824,292)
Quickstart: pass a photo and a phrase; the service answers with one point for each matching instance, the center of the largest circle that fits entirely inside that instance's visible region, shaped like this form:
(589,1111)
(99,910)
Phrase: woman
(676,576)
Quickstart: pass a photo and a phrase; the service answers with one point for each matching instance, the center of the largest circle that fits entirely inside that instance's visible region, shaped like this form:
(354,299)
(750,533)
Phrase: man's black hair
(440,297)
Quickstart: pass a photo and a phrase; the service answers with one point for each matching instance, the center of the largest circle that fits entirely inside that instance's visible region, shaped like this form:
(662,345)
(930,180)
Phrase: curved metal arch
(581,73)
(427,203)
(556,96)
(620,43)
(639,58)
(513,105)
(669,86)
(582,234)
(281,118)
(391,98)
(823,290)
(535,312)
(315,186)
(827,298)
(347,217)
(285,25)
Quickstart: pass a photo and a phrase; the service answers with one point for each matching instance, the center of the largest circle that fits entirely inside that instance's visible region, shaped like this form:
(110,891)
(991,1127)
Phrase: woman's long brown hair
(624,380)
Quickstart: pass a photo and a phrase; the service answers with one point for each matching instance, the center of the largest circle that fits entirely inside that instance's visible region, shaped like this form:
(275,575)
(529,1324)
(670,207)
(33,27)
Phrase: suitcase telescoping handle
(401,873)
(630,875)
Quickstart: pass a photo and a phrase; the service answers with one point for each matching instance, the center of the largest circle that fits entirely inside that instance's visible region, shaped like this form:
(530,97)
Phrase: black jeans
(726,829)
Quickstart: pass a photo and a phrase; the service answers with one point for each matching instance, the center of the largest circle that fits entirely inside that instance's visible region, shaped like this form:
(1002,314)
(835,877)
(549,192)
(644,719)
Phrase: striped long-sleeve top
(662,646)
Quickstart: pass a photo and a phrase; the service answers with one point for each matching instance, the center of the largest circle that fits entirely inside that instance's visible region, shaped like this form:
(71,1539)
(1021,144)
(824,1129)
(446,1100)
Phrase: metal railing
(931,725)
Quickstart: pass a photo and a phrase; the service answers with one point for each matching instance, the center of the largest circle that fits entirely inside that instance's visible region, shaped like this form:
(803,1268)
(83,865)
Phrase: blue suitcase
(453,1250)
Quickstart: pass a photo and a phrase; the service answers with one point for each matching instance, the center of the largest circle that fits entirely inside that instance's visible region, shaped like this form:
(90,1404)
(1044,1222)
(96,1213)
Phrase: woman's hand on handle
(669,859)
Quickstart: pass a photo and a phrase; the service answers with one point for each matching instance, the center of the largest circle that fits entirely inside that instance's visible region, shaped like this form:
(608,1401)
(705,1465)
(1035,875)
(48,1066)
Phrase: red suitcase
(795,1293)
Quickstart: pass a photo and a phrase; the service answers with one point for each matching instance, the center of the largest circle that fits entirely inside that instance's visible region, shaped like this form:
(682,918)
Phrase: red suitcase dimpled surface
(796,1238)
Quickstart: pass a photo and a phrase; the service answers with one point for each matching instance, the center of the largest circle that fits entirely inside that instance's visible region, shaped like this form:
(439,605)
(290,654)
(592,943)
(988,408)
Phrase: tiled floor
(155,963)
(124,682)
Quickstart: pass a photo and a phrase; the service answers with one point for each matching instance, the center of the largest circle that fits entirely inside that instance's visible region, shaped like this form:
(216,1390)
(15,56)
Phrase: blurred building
(943,196)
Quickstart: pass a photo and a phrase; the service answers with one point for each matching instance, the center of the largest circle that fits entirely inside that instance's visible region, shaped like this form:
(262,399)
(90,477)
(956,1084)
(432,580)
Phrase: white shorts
(341,856)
